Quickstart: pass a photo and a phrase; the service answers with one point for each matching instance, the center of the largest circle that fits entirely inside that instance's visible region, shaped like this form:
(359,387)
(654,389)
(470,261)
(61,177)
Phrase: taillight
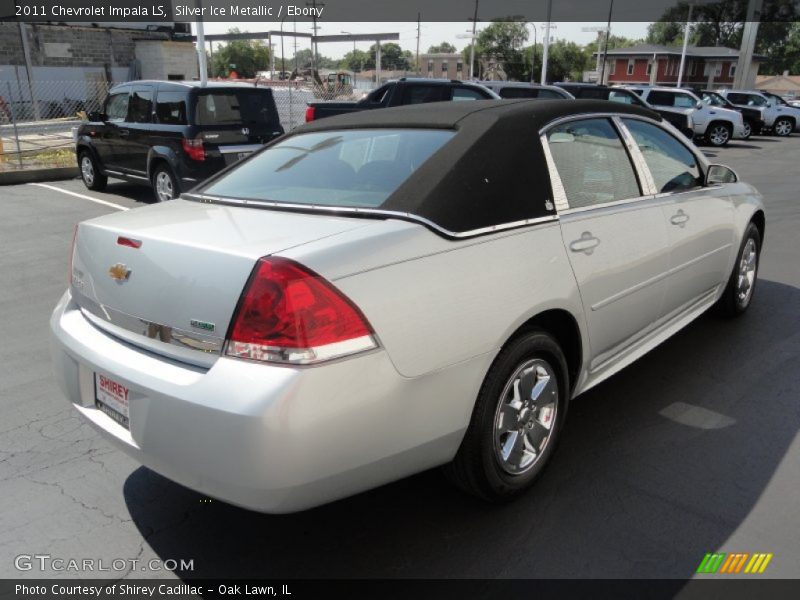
(72,255)
(289,314)
(194,148)
(309,114)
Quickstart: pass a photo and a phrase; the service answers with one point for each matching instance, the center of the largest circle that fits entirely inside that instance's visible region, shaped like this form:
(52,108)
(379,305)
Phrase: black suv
(173,135)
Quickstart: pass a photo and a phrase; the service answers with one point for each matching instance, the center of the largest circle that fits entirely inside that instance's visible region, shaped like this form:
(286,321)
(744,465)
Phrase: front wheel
(783,127)
(517,419)
(164,184)
(718,134)
(742,283)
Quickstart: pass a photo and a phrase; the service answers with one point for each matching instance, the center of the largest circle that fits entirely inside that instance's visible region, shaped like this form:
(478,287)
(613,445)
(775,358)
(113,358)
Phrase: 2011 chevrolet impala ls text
(380,293)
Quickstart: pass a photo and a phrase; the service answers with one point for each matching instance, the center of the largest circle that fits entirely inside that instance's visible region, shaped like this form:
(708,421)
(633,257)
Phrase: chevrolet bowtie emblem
(119,272)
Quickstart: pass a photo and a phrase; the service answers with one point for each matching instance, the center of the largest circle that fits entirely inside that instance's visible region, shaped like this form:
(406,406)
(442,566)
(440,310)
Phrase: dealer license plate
(112,398)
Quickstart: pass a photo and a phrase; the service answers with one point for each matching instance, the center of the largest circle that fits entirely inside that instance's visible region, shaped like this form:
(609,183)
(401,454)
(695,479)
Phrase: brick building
(706,66)
(443,65)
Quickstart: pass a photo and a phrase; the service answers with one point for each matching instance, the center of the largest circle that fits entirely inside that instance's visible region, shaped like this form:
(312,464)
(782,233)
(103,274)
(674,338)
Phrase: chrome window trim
(643,174)
(350,210)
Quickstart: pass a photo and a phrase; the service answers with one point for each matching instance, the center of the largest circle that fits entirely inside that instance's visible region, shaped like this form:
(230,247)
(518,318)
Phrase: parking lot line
(77,195)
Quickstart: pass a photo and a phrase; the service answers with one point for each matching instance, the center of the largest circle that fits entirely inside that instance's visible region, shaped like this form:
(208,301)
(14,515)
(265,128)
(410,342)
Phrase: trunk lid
(176,292)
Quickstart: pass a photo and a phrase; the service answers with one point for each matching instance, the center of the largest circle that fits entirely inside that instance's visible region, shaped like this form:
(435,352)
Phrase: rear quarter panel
(434,302)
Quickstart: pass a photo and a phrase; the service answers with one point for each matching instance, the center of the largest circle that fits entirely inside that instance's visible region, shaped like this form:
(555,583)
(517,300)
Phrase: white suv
(717,126)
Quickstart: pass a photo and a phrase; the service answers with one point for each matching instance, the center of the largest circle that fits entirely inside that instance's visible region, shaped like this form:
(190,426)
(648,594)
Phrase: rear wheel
(164,184)
(748,130)
(90,173)
(783,127)
(718,134)
(517,419)
(740,288)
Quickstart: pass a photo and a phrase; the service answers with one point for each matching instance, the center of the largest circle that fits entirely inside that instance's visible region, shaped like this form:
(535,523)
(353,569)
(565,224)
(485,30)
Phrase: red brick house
(706,66)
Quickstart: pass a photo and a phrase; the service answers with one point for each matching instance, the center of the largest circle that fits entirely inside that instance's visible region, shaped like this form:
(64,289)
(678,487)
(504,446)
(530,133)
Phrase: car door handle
(586,244)
(679,219)
(124,133)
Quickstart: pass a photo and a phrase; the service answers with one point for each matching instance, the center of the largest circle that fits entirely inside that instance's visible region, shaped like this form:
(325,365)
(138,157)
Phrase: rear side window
(623,97)
(349,168)
(518,92)
(420,94)
(140,106)
(117,107)
(463,93)
(234,107)
(171,108)
(550,94)
(661,98)
(592,163)
(673,166)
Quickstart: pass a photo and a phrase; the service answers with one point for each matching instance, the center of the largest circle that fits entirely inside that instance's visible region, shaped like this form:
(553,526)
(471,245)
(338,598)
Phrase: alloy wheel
(748,130)
(87,170)
(783,127)
(719,135)
(748,265)
(164,186)
(525,416)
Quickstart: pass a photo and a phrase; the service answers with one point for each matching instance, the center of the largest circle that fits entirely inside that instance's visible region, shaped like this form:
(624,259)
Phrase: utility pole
(605,45)
(419,17)
(472,44)
(314,47)
(685,44)
(546,46)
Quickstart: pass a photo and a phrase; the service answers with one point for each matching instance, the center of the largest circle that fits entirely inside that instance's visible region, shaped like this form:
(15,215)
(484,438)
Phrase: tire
(739,291)
(748,130)
(782,127)
(719,134)
(165,186)
(92,178)
(496,459)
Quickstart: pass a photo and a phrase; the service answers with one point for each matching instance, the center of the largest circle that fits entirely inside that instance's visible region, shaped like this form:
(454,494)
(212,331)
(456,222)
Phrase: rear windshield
(349,168)
(234,107)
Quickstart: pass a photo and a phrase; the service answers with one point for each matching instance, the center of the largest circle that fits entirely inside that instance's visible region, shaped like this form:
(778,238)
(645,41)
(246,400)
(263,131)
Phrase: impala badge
(119,273)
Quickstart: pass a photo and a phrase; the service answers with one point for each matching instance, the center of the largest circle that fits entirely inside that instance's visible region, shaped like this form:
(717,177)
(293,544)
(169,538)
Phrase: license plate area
(111,397)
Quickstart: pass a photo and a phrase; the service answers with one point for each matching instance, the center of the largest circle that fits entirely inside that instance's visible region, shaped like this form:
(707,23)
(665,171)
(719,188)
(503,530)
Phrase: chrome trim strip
(621,203)
(120,174)
(349,210)
(657,278)
(243,148)
(639,163)
(179,343)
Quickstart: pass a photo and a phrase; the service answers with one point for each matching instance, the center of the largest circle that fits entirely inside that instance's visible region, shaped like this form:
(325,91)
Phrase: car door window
(518,92)
(592,163)
(660,98)
(544,93)
(673,166)
(621,97)
(171,108)
(462,93)
(117,107)
(140,106)
(684,101)
(420,94)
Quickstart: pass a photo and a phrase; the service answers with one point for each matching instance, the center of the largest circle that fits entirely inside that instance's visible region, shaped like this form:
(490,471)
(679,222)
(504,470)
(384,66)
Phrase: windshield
(234,107)
(775,100)
(350,168)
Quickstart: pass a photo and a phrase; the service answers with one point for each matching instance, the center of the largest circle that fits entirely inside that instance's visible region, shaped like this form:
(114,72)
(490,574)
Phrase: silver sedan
(381,293)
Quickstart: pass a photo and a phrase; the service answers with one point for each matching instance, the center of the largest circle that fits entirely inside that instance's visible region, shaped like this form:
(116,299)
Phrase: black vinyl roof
(492,172)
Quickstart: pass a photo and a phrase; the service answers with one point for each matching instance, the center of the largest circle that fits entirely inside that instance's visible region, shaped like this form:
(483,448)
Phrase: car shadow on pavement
(133,191)
(657,466)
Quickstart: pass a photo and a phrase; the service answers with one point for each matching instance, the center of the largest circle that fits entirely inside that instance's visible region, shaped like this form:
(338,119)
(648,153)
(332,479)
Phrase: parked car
(753,116)
(172,135)
(521,89)
(680,119)
(715,126)
(780,118)
(402,92)
(353,304)
(784,108)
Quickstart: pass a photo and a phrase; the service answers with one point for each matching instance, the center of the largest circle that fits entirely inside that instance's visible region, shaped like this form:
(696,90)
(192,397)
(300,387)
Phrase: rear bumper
(269,438)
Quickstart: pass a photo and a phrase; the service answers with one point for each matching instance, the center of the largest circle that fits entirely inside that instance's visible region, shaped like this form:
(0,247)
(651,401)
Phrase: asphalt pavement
(692,449)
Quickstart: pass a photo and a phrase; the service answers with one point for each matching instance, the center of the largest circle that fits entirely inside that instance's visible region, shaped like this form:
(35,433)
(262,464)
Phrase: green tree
(246,57)
(354,61)
(665,33)
(303,59)
(443,48)
(393,57)
(503,41)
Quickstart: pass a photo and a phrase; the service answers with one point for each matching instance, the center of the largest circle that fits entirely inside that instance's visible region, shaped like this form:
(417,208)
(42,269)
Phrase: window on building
(649,70)
(592,163)
(430,66)
(692,67)
(444,66)
(630,66)
(718,70)
(732,70)
(459,67)
(612,67)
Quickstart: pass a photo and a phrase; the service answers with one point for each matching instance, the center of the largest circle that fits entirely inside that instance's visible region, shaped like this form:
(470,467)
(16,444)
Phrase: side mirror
(699,105)
(719,174)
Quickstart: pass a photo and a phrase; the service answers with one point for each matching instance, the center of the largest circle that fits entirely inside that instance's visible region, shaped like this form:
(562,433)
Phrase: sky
(430,34)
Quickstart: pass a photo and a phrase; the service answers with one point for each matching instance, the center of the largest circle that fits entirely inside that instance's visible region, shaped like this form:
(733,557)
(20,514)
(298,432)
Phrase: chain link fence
(38,118)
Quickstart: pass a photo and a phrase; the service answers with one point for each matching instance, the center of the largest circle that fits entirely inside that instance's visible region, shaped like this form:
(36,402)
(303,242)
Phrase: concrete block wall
(166,59)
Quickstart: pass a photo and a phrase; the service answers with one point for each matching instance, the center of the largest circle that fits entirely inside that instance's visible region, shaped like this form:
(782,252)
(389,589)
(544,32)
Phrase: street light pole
(605,45)
(546,46)
(472,45)
(685,44)
(533,55)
